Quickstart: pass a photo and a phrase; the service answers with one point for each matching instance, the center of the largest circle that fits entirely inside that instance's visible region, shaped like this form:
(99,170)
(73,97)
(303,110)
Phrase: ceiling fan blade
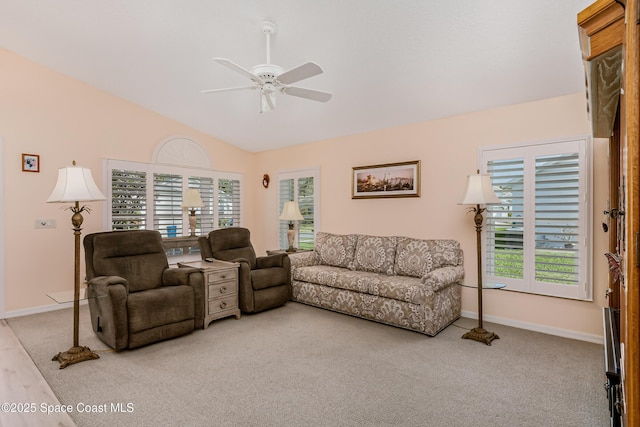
(227,89)
(237,68)
(314,95)
(300,72)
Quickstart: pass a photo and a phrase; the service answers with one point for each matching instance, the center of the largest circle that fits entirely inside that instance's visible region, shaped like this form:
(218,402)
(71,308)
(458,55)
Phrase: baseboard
(565,333)
(40,309)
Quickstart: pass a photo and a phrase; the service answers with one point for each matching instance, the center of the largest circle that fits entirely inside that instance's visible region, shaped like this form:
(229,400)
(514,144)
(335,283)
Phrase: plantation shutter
(306,203)
(537,239)
(287,194)
(167,204)
(228,203)
(128,199)
(505,222)
(557,207)
(205,214)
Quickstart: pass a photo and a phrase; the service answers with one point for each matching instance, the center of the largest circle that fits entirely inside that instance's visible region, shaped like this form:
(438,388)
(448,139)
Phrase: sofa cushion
(413,257)
(335,250)
(159,307)
(445,252)
(375,254)
(401,288)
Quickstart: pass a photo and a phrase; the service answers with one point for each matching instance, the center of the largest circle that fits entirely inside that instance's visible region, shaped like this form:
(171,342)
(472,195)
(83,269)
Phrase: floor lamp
(75,185)
(479,192)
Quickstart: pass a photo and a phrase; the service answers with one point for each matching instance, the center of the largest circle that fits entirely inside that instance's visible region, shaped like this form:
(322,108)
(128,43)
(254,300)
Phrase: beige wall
(61,119)
(447,149)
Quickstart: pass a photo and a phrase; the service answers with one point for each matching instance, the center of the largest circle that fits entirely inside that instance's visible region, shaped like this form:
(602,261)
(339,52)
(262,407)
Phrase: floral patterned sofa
(401,281)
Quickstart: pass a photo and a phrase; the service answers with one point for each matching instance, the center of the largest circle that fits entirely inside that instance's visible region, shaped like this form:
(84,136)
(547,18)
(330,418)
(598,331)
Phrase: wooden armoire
(610,41)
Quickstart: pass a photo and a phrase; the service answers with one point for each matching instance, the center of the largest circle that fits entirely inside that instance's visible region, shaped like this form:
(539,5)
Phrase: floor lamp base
(482,335)
(74,355)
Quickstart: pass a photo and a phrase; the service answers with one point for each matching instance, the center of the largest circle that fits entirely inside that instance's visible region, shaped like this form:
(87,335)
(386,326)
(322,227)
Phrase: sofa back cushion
(416,257)
(376,254)
(335,250)
(413,257)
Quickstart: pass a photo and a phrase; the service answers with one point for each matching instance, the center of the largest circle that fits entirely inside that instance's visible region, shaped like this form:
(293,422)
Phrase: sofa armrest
(441,278)
(303,259)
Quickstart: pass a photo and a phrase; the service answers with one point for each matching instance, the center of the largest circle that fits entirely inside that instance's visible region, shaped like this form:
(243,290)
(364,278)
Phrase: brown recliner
(264,282)
(134,297)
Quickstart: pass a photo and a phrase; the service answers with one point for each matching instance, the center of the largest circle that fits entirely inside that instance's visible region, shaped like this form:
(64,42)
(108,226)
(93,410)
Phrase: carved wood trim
(602,27)
(632,145)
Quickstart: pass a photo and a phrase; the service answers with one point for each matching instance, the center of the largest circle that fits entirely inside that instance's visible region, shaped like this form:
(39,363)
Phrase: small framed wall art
(387,180)
(30,162)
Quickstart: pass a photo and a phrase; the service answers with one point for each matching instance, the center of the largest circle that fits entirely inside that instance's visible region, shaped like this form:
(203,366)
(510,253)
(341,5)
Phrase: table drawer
(217,276)
(224,288)
(221,304)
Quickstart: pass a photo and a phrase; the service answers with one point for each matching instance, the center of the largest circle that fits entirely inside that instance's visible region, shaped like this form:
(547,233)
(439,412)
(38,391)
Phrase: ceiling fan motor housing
(267,72)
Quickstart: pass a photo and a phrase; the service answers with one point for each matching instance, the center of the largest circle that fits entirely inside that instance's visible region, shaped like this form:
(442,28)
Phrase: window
(538,240)
(302,186)
(150,196)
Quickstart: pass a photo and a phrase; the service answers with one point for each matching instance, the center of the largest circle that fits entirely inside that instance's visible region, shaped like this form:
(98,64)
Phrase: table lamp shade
(75,184)
(291,212)
(479,191)
(192,199)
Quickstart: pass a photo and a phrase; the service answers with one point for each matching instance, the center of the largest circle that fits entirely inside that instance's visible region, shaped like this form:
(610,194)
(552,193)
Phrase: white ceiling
(387,62)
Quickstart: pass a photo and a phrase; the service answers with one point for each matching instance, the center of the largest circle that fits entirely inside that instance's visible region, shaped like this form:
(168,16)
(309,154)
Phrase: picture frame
(30,162)
(386,180)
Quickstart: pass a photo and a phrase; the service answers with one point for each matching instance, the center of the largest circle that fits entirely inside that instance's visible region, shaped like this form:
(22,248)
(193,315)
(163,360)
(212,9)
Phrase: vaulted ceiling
(386,62)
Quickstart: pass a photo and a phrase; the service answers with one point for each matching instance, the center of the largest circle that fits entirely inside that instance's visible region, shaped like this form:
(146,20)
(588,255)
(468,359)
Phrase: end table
(220,288)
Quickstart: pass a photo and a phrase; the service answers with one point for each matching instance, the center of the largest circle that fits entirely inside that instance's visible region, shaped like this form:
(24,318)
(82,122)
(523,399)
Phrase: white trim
(549,330)
(181,150)
(41,309)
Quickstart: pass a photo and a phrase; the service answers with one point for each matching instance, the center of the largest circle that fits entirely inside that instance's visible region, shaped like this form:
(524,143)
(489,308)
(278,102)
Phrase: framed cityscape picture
(386,180)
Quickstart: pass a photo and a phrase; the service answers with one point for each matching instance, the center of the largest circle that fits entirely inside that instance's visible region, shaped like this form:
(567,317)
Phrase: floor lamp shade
(479,191)
(75,184)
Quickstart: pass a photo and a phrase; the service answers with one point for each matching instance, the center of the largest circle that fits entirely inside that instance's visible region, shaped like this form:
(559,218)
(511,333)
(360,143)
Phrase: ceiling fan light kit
(271,78)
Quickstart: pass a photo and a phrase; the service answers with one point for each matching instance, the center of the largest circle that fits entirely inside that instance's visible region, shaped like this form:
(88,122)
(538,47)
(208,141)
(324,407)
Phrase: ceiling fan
(270,78)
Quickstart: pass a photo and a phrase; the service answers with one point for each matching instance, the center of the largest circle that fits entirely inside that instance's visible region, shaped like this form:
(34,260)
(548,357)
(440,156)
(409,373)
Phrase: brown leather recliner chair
(264,282)
(134,297)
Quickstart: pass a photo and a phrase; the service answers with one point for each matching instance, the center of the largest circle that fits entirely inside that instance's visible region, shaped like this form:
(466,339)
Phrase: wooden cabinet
(220,288)
(604,26)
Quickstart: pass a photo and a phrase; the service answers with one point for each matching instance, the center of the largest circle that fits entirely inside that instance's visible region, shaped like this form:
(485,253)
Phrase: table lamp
(191,201)
(291,213)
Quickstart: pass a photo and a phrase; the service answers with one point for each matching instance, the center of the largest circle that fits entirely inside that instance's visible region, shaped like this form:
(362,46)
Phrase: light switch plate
(45,223)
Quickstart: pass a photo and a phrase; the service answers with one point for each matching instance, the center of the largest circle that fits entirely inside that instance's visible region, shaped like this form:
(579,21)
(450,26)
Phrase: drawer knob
(223,289)
(223,304)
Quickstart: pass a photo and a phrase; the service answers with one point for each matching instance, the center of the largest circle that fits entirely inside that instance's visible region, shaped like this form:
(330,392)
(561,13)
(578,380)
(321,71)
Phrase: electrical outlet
(45,223)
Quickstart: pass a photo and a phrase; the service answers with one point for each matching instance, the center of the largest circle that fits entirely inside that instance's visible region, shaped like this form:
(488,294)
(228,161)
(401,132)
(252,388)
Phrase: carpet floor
(303,366)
